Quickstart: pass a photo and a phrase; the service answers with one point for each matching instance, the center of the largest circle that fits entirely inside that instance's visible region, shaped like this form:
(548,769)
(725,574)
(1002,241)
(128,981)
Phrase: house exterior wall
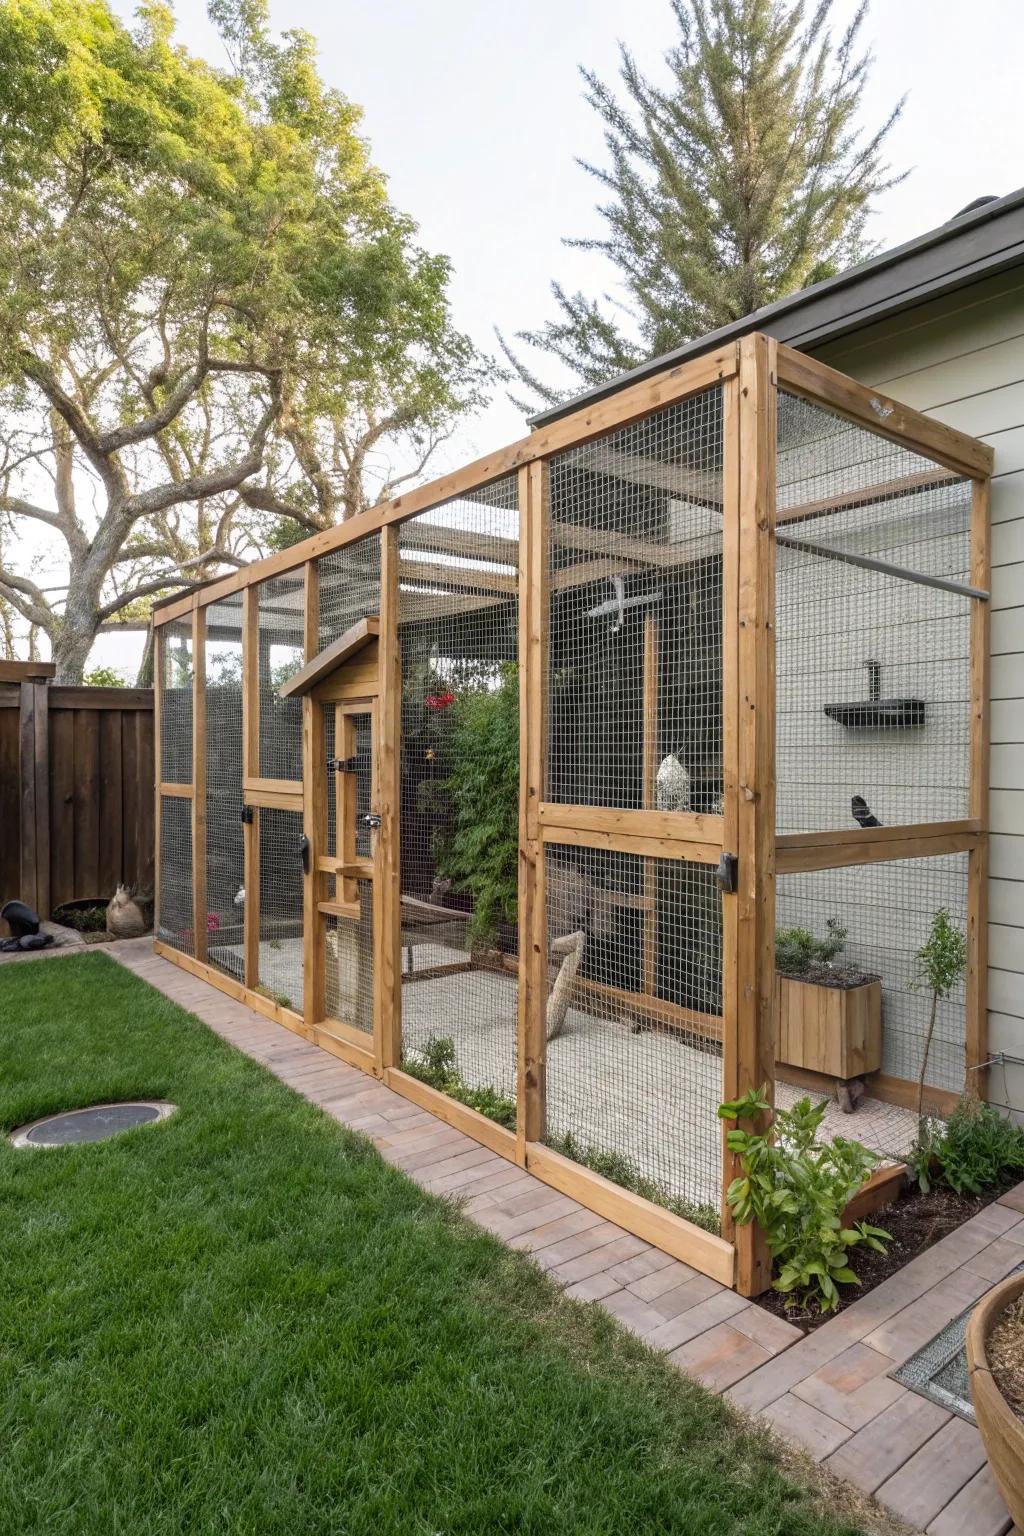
(961,359)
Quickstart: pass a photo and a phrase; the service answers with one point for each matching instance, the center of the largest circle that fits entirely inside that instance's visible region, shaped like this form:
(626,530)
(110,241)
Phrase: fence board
(76,792)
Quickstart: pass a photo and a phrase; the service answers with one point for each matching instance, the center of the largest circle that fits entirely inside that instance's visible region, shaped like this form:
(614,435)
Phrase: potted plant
(828,1016)
(995,1334)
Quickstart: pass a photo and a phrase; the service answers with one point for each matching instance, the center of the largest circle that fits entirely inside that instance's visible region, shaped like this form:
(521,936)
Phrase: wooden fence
(76,788)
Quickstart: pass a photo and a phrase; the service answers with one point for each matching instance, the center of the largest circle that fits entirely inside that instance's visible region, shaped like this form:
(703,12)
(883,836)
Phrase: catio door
(344,854)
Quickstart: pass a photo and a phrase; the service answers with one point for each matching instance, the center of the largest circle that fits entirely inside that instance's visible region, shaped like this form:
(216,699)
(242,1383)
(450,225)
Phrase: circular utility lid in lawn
(97,1122)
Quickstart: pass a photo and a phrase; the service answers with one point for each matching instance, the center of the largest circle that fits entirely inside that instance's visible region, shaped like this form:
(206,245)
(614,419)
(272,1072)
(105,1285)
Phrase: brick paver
(828,1391)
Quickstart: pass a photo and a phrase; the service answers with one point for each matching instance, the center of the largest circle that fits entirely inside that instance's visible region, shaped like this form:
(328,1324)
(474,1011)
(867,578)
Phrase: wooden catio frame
(354,908)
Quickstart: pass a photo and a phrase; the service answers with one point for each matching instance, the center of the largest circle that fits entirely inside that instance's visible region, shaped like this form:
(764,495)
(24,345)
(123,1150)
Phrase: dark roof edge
(966,249)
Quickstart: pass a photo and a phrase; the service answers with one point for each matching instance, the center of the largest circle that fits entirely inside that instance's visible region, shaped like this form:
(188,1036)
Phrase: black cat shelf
(875,713)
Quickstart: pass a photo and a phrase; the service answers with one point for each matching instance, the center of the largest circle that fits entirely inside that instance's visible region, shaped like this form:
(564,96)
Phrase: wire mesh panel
(872,666)
(348,961)
(349,583)
(634,1068)
(635,712)
(281,889)
(176,702)
(225,858)
(280,605)
(886,911)
(458,623)
(176,928)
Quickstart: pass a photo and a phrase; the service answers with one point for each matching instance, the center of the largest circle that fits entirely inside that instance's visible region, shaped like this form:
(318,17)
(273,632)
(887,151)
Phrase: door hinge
(342,765)
(728,873)
(368,819)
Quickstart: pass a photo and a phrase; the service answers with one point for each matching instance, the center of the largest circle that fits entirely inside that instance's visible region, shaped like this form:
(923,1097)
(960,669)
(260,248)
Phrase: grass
(243,1321)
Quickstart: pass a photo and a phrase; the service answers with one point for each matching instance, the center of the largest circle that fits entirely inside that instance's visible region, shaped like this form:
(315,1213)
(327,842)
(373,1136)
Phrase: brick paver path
(829,1391)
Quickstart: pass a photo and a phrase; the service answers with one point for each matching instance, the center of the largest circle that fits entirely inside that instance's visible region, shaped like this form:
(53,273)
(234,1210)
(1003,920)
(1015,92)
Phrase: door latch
(368,819)
(342,765)
(727,873)
(247,815)
(304,853)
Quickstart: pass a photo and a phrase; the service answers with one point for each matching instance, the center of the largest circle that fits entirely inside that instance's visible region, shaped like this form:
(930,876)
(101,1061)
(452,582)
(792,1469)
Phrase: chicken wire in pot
(175,685)
(872,666)
(225,855)
(280,607)
(635,628)
(887,910)
(175,832)
(458,636)
(633,1086)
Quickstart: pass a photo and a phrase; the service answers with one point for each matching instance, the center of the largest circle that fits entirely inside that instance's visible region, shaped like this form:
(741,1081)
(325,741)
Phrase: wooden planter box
(835,1030)
(1001,1430)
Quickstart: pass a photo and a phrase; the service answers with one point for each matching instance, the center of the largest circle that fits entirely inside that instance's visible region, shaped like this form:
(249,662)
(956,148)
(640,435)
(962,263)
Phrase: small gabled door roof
(354,640)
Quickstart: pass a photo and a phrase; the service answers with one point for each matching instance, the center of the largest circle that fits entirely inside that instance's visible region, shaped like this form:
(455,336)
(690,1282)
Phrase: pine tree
(743,180)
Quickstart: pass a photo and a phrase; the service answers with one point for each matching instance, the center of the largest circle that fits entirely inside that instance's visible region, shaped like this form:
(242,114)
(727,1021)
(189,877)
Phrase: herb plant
(796,1189)
(976,1149)
(798,952)
(439,1069)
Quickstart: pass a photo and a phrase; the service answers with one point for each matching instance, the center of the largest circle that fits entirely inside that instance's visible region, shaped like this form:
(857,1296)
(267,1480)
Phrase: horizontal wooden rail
(712,1255)
(674,826)
(591,421)
(805,376)
(177,791)
(275,800)
(623,842)
(803,852)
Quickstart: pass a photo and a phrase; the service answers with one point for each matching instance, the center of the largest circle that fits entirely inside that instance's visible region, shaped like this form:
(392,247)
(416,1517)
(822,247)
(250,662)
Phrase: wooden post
(158,771)
(250,770)
(749,915)
(534,513)
(649,966)
(34,756)
(387,929)
(314,823)
(976,1052)
(311,609)
(199,781)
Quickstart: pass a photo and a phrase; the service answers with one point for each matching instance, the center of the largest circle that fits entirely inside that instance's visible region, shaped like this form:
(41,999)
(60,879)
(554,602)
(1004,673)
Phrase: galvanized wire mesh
(280,605)
(634,1071)
(635,713)
(349,582)
(348,958)
(458,619)
(887,910)
(225,857)
(176,702)
(175,922)
(873,668)
(281,890)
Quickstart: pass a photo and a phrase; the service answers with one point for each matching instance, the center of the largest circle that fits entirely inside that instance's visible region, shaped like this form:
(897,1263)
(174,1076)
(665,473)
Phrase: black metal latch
(368,819)
(727,873)
(247,815)
(304,853)
(342,765)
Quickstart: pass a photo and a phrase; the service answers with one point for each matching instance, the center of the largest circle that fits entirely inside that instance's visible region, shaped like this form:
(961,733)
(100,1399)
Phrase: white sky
(476,114)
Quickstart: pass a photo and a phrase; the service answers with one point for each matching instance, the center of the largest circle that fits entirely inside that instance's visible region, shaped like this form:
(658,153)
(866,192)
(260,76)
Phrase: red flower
(212,922)
(439,700)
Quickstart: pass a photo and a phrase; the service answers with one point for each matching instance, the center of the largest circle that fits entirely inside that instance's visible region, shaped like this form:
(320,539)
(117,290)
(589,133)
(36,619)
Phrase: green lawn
(242,1321)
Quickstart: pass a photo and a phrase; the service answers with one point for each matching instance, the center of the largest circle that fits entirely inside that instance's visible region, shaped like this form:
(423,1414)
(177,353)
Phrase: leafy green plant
(86,919)
(481,853)
(797,1188)
(941,961)
(976,1149)
(798,952)
(439,1069)
(620,1170)
(104,677)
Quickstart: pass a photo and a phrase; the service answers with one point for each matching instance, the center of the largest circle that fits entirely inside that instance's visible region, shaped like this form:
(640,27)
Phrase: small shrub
(941,961)
(799,955)
(797,1189)
(975,1150)
(620,1170)
(439,1069)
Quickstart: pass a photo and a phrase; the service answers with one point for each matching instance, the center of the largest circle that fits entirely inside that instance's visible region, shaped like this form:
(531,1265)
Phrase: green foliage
(941,961)
(85,919)
(975,1150)
(797,951)
(212,318)
(104,677)
(481,853)
(620,1170)
(797,1188)
(744,178)
(439,1069)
